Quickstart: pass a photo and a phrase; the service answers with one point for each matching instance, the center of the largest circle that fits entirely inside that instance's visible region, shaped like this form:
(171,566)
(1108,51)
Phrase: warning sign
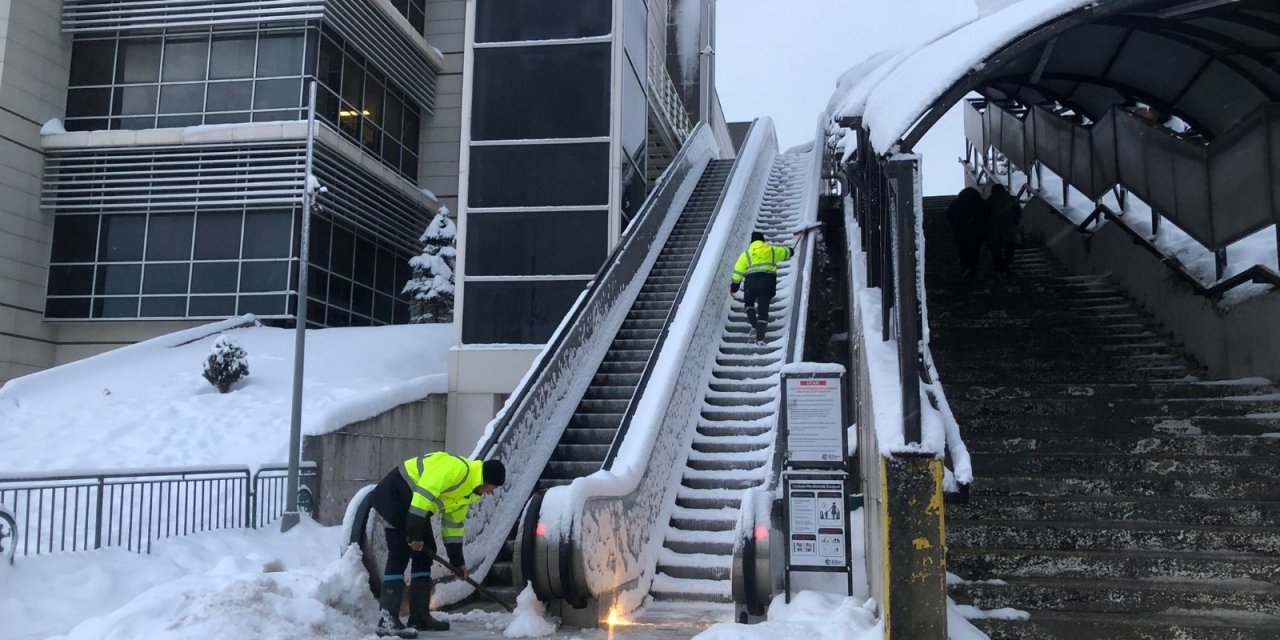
(814,419)
(816,517)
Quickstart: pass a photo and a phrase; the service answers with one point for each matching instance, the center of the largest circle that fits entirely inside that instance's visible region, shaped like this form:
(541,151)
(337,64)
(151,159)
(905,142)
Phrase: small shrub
(226,364)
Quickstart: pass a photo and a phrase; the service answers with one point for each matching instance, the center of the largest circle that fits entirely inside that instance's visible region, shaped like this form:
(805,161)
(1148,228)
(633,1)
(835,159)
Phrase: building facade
(154,163)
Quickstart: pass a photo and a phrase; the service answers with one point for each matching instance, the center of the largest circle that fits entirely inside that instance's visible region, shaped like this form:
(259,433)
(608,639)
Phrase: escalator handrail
(665,189)
(627,416)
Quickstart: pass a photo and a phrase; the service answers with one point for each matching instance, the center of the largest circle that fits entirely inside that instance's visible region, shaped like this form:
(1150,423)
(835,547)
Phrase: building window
(575,174)
(415,11)
(366,107)
(516,312)
(541,92)
(513,20)
(550,242)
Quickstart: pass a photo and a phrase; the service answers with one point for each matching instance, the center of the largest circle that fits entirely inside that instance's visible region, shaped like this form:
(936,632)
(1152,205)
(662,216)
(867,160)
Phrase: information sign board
(814,419)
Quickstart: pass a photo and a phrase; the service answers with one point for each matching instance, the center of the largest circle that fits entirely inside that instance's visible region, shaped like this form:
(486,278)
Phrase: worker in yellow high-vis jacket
(757,273)
(437,483)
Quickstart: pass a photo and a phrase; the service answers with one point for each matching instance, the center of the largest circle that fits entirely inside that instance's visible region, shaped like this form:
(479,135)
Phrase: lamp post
(310,190)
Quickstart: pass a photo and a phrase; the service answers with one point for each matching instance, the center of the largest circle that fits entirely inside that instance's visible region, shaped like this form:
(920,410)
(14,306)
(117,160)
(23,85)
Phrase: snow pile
(530,618)
(53,126)
(812,615)
(146,405)
(229,584)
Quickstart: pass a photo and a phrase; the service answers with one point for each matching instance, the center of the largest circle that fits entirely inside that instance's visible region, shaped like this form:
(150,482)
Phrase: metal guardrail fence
(132,508)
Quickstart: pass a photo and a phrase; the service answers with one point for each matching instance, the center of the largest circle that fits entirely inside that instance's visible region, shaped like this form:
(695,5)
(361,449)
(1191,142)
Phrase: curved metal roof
(1208,62)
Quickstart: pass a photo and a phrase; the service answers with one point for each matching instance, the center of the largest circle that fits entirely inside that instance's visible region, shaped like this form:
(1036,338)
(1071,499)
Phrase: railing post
(905,172)
(1155,223)
(97,519)
(1220,263)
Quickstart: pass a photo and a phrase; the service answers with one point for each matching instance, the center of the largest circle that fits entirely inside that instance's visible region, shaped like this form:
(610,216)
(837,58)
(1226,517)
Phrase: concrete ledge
(363,452)
(1237,341)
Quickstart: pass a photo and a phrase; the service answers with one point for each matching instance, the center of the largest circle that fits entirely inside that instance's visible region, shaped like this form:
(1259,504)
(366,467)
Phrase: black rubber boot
(760,330)
(389,617)
(420,607)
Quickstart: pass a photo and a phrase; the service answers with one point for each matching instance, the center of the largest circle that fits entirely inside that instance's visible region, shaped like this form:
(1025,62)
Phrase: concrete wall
(1231,340)
(442,132)
(480,380)
(30,46)
(362,453)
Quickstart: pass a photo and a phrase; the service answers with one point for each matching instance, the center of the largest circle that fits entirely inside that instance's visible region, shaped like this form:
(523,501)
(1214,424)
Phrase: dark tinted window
(232,56)
(185,59)
(93,62)
(67,307)
(635,33)
(515,312)
(341,252)
(264,276)
(277,94)
(138,60)
(635,117)
(505,20)
(230,96)
(536,243)
(217,235)
(182,98)
(541,92)
(115,279)
(267,233)
(75,239)
(121,238)
(164,307)
(169,236)
(115,307)
(280,55)
(214,277)
(166,278)
(88,103)
(70,280)
(540,175)
(217,306)
(633,190)
(135,100)
(262,305)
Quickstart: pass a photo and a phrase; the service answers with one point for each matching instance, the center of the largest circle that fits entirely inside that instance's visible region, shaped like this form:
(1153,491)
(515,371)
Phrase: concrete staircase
(733,445)
(1117,495)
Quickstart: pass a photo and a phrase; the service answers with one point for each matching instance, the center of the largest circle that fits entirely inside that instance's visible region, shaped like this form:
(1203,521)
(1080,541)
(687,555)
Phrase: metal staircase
(732,447)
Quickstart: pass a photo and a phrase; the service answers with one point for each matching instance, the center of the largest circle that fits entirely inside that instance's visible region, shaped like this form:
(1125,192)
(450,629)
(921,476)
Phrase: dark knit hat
(757,235)
(495,473)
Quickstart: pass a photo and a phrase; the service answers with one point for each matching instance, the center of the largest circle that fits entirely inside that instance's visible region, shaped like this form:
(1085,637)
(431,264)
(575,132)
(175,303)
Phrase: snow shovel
(798,234)
(457,572)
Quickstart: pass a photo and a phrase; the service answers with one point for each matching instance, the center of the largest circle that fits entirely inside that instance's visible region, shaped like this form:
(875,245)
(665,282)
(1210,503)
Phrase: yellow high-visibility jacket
(442,483)
(760,257)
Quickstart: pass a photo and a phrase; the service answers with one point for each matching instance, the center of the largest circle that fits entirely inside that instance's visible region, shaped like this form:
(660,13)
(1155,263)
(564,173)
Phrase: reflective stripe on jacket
(760,257)
(442,483)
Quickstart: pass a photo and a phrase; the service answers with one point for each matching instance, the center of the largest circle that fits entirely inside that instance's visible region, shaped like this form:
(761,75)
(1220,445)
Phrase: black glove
(733,288)
(454,551)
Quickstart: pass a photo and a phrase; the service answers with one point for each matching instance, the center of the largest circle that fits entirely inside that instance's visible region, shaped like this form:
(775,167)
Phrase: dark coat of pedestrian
(1004,231)
(967,215)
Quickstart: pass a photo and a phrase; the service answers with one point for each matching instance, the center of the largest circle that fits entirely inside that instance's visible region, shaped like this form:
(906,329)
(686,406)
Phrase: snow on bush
(226,364)
(431,288)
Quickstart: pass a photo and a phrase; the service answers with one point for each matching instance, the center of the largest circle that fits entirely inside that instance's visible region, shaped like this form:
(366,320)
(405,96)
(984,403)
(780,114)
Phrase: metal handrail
(131,508)
(671,107)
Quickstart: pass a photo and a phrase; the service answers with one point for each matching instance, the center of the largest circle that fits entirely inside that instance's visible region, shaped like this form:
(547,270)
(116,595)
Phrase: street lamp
(311,189)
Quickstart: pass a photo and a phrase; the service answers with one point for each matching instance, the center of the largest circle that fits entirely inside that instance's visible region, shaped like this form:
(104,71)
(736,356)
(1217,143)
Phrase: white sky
(782,59)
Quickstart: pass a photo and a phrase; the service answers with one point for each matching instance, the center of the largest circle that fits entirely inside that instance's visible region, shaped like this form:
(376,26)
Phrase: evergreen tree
(431,288)
(226,364)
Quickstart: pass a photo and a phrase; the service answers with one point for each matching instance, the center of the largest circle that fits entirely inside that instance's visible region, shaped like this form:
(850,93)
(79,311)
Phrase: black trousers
(969,249)
(399,555)
(757,292)
(1002,254)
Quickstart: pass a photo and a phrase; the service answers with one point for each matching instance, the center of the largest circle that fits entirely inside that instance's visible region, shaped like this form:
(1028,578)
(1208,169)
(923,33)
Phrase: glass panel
(214,277)
(633,190)
(635,117)
(268,233)
(138,60)
(118,278)
(215,306)
(329,67)
(635,33)
(185,59)
(135,100)
(93,62)
(230,96)
(115,307)
(339,291)
(166,278)
(385,271)
(75,239)
(217,235)
(164,307)
(121,237)
(505,20)
(382,308)
(280,54)
(232,56)
(262,305)
(180,121)
(352,81)
(540,175)
(534,243)
(515,312)
(277,94)
(541,92)
(321,229)
(89,102)
(264,276)
(342,251)
(335,317)
(364,261)
(362,300)
(374,94)
(70,280)
(228,118)
(169,236)
(67,307)
(317,283)
(182,98)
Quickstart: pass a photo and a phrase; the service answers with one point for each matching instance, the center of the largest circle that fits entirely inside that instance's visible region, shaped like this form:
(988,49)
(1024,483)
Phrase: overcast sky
(781,58)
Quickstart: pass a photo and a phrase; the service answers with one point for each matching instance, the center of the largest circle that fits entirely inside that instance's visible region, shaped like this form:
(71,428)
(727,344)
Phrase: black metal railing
(132,508)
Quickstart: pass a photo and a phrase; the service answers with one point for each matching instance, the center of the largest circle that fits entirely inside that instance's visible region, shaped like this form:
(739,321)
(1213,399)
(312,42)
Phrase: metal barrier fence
(131,508)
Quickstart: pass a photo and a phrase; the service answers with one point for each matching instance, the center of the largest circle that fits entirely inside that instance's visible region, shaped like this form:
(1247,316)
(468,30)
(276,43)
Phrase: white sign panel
(817,526)
(815,430)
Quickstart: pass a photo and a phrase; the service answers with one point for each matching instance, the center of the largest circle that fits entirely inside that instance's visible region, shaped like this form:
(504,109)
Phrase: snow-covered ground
(147,406)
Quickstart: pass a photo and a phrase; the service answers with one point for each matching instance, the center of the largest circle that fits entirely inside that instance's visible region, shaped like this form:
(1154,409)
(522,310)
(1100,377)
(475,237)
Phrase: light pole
(310,190)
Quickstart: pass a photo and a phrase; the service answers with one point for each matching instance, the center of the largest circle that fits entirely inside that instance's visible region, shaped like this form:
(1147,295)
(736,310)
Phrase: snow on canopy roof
(893,95)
